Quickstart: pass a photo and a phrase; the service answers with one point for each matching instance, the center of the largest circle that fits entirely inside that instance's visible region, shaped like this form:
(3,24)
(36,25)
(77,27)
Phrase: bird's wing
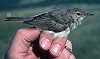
(46,21)
(61,14)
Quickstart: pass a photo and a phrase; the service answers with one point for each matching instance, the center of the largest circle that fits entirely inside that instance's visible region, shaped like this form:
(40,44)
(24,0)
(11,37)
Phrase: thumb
(22,40)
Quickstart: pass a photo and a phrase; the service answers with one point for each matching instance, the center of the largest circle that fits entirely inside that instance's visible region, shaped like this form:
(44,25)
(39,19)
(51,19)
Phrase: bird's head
(78,15)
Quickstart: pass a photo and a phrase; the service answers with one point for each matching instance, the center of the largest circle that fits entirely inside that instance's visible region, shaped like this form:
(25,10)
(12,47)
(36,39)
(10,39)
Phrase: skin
(29,43)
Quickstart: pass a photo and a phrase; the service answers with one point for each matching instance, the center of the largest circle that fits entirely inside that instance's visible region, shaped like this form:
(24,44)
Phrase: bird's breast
(62,34)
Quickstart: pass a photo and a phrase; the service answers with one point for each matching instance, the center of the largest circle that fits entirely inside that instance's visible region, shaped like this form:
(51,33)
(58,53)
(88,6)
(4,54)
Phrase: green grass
(85,38)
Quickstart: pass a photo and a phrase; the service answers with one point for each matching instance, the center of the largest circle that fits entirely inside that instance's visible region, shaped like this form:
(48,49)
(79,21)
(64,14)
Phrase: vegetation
(85,38)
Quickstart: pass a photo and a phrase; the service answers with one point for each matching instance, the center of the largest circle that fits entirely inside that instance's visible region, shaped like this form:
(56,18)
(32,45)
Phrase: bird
(58,22)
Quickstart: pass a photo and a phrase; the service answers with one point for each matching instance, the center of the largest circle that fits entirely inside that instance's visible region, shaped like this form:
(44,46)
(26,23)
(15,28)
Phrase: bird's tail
(18,19)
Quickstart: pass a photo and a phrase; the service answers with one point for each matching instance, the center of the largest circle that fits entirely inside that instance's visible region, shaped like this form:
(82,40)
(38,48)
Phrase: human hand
(30,43)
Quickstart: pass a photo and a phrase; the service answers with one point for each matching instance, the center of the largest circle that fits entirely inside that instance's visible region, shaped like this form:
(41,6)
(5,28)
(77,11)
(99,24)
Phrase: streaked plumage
(58,22)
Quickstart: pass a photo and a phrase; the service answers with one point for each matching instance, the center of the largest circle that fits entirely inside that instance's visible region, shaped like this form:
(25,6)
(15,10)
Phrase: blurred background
(86,38)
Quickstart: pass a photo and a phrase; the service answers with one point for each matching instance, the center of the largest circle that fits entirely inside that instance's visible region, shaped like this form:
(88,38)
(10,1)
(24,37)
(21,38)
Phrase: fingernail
(45,43)
(55,50)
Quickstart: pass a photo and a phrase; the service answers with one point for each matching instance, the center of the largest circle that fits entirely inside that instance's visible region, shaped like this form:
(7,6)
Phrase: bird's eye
(78,14)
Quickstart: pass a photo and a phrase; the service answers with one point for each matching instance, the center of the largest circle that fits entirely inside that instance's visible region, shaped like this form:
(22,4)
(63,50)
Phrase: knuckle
(21,31)
(69,44)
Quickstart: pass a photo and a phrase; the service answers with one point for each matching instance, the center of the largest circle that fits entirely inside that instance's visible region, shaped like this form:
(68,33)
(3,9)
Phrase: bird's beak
(89,14)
